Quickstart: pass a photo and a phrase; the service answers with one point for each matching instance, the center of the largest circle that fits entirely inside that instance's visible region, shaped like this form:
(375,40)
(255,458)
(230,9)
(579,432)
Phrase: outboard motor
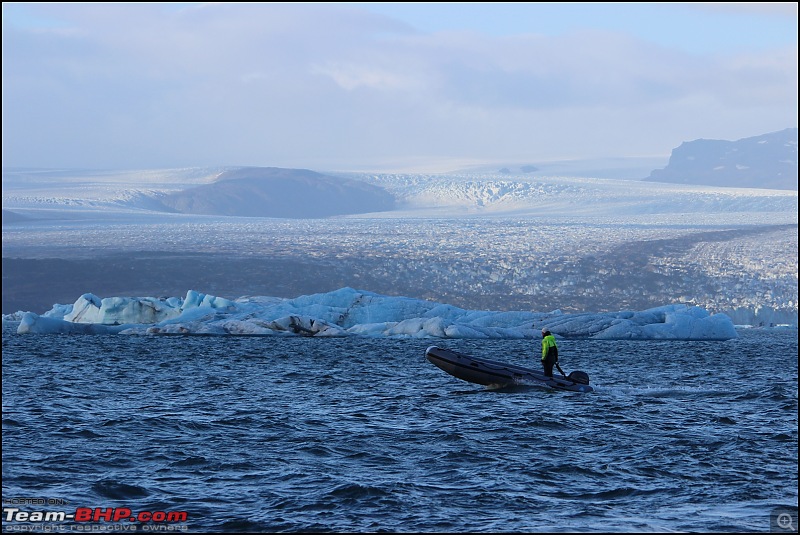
(579,377)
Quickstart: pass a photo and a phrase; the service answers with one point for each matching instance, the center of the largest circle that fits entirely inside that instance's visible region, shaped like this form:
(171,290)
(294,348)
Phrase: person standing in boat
(549,353)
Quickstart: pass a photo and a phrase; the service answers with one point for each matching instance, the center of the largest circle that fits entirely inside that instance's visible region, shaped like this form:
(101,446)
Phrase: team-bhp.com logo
(81,517)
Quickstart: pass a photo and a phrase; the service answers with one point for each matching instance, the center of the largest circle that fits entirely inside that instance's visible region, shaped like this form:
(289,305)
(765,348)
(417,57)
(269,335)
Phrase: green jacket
(549,344)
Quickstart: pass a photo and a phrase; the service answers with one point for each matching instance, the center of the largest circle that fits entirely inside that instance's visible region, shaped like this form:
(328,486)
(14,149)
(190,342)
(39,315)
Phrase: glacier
(477,240)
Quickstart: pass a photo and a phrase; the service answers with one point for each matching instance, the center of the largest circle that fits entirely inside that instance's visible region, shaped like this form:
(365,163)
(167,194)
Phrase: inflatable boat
(492,373)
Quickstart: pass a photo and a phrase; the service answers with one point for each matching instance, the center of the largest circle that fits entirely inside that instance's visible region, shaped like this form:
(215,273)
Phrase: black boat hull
(493,373)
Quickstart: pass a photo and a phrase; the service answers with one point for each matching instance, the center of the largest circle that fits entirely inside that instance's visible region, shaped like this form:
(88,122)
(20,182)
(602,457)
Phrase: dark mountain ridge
(767,161)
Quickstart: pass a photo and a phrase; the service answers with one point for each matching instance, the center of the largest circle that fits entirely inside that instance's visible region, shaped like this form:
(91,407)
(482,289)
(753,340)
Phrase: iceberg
(351,312)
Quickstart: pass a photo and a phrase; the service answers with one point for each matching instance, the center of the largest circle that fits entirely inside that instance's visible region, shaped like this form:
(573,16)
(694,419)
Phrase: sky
(426,87)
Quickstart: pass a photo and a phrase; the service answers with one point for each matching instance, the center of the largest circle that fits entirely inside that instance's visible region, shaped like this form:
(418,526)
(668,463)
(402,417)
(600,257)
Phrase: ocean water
(244,434)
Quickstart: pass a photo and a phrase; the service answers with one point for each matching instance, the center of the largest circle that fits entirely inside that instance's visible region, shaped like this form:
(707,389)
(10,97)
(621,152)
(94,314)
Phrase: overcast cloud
(352,86)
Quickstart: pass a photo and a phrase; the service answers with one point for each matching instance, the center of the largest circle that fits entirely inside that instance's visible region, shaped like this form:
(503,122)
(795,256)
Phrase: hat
(545,330)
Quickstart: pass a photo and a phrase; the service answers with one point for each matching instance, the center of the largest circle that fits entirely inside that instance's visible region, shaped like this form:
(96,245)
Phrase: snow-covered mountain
(276,192)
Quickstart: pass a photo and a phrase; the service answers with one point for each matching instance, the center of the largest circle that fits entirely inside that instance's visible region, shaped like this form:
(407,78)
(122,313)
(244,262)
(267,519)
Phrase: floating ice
(349,312)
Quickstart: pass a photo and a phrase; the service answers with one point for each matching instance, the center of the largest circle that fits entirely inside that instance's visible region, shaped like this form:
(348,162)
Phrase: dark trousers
(548,363)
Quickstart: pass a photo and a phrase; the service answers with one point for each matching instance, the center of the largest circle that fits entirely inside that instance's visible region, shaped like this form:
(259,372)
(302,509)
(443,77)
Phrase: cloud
(353,76)
(325,84)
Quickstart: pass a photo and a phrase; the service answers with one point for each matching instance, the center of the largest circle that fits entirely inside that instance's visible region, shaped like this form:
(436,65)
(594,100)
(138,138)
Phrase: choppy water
(355,435)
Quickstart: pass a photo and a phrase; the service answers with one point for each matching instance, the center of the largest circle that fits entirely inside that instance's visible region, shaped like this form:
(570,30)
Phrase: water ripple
(362,435)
